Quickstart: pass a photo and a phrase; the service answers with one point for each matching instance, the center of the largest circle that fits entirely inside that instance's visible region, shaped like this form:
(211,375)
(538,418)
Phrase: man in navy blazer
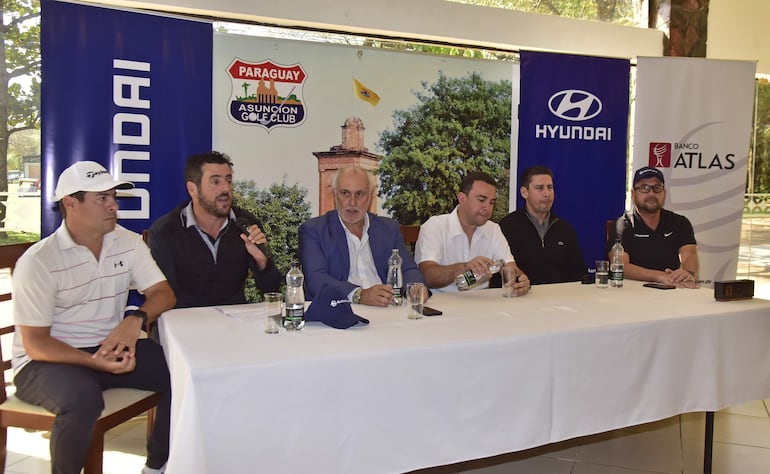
(348,248)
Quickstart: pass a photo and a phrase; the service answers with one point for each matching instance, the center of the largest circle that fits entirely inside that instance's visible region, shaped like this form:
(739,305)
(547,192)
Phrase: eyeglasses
(646,188)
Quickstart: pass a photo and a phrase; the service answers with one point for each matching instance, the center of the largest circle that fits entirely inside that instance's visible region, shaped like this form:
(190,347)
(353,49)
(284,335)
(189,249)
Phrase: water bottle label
(295,313)
(470,278)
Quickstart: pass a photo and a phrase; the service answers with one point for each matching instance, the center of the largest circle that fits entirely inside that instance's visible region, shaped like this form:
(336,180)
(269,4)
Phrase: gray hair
(356,169)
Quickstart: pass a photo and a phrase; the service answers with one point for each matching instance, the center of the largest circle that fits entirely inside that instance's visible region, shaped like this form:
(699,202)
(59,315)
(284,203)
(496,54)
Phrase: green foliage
(12,237)
(760,140)
(281,209)
(25,143)
(615,11)
(21,38)
(19,105)
(464,52)
(459,125)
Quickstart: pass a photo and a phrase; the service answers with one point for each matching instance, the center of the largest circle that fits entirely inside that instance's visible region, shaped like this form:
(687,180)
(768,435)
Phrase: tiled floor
(674,445)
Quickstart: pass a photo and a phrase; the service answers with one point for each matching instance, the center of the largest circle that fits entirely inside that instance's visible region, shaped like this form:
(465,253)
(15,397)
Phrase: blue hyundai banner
(129,90)
(573,118)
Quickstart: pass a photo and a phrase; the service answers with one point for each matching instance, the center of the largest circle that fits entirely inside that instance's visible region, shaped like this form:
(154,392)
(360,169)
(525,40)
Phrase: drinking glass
(602,273)
(414,295)
(509,275)
(273,312)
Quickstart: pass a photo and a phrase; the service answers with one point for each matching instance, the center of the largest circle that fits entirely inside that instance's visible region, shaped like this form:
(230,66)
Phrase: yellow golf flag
(364,93)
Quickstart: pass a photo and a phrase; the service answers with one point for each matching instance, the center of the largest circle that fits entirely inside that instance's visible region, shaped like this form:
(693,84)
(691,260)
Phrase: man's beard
(651,206)
(211,206)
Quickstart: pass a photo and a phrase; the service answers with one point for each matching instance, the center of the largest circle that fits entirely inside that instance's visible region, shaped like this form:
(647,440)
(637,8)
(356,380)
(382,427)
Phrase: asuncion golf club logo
(266,94)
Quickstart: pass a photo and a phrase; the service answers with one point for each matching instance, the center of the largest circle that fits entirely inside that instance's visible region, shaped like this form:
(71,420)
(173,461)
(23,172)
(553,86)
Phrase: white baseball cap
(86,176)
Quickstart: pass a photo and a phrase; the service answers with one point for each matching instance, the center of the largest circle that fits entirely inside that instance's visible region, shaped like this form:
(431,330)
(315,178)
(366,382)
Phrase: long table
(490,376)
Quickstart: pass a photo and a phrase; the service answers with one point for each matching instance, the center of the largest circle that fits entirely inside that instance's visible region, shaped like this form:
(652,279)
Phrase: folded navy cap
(333,310)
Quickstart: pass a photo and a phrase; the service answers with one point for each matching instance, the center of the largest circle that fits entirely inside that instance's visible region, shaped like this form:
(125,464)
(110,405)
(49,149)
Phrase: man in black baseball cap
(659,244)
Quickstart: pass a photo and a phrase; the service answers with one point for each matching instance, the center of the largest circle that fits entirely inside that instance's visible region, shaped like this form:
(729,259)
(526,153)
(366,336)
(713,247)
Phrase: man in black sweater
(202,245)
(545,246)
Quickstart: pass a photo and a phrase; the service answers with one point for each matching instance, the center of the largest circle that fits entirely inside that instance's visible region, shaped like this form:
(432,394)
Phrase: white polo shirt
(60,284)
(443,241)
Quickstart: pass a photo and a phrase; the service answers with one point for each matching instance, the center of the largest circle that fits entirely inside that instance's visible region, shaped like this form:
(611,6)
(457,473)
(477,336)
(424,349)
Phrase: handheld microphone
(620,226)
(622,223)
(243,225)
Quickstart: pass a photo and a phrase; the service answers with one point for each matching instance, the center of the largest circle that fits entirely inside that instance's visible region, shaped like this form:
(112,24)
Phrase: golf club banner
(693,122)
(573,118)
(129,90)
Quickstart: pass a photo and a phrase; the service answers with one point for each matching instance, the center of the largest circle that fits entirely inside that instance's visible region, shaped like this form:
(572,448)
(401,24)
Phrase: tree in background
(20,57)
(760,141)
(22,144)
(684,24)
(614,11)
(459,125)
(281,209)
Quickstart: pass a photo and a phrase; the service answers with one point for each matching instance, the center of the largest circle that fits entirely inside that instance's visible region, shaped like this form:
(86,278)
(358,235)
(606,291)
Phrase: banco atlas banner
(573,118)
(693,122)
(129,90)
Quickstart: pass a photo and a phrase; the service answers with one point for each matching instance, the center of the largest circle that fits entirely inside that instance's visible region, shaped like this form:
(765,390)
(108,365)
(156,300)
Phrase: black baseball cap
(648,172)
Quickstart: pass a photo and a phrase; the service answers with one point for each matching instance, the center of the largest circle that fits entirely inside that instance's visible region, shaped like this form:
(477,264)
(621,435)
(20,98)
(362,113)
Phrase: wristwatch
(139,314)
(357,295)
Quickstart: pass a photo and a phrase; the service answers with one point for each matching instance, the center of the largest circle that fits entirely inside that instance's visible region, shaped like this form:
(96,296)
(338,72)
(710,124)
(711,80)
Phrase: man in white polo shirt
(465,239)
(72,340)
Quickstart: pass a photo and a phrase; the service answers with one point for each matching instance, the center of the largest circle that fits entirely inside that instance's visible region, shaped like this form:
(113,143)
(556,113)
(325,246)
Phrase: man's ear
(68,202)
(461,196)
(192,189)
(524,192)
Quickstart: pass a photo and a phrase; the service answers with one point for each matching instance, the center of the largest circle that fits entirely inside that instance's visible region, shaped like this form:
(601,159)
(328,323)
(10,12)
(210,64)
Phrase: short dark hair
(531,172)
(79,195)
(472,177)
(193,167)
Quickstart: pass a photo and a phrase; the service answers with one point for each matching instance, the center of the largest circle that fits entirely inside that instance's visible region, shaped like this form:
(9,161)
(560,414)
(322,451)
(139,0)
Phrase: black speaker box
(731,290)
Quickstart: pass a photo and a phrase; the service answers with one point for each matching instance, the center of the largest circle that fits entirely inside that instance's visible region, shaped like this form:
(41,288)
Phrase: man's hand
(121,341)
(681,278)
(377,295)
(522,284)
(255,237)
(480,265)
(115,363)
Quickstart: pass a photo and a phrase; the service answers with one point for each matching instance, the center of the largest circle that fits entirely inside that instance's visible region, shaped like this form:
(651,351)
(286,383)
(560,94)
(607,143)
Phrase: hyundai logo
(574,105)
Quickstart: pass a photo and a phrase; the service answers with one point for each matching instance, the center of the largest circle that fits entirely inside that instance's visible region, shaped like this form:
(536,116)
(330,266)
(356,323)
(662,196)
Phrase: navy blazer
(325,259)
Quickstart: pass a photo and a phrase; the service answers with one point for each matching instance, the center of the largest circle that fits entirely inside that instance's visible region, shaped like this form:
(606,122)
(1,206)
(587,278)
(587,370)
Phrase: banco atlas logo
(574,105)
(660,155)
(266,94)
(688,155)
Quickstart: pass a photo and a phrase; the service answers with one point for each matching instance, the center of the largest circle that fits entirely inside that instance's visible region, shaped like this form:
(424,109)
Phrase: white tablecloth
(490,376)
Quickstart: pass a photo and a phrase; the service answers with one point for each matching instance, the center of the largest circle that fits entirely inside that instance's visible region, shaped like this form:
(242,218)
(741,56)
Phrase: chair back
(5,363)
(9,254)
(410,234)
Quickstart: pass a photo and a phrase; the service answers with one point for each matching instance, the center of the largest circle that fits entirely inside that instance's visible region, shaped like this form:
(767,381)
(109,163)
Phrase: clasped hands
(117,352)
(680,278)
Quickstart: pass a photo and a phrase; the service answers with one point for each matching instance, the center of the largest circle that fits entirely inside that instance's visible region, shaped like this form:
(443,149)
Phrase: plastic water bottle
(616,265)
(294,316)
(395,277)
(468,280)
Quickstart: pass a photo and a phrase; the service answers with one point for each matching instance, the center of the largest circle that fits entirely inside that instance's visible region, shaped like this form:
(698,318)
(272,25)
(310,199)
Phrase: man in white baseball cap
(73,339)
(86,176)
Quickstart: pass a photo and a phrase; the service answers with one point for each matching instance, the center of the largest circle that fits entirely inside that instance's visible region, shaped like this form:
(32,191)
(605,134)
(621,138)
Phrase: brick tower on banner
(350,152)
